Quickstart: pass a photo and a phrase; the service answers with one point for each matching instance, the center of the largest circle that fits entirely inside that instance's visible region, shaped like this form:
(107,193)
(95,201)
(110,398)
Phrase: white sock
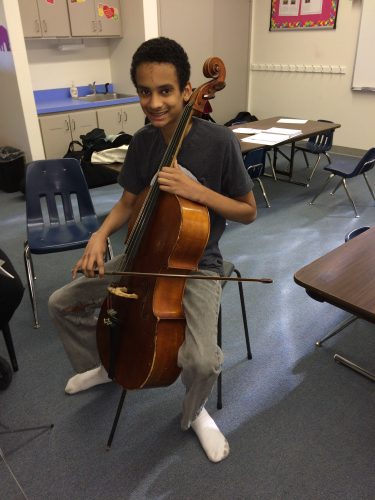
(212,440)
(83,381)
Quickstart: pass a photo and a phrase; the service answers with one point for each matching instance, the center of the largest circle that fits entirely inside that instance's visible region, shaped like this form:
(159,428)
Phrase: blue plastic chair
(59,213)
(344,169)
(317,145)
(255,165)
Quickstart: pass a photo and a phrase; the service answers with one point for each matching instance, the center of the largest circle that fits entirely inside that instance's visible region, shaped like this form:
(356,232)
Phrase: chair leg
(263,192)
(271,165)
(306,159)
(244,317)
(10,346)
(337,330)
(368,185)
(314,167)
(337,186)
(219,403)
(30,282)
(323,188)
(328,157)
(350,198)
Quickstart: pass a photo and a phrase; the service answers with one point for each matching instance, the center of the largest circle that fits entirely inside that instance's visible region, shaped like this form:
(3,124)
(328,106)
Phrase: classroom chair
(345,170)
(59,213)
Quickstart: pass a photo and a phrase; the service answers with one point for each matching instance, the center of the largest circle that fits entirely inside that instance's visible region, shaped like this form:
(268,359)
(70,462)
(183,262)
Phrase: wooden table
(308,129)
(345,278)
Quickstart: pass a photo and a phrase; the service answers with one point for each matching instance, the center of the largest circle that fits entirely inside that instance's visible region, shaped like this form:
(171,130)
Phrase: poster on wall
(303,14)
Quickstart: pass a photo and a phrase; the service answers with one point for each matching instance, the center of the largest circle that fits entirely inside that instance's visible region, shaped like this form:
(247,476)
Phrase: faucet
(92,87)
(106,85)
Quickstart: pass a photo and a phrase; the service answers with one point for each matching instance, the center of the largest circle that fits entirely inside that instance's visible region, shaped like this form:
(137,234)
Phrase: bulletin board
(303,14)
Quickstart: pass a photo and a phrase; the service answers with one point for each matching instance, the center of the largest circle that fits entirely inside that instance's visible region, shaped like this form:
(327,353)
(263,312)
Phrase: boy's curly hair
(162,50)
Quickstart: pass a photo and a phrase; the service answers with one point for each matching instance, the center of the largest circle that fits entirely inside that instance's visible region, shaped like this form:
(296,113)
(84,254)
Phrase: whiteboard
(364,67)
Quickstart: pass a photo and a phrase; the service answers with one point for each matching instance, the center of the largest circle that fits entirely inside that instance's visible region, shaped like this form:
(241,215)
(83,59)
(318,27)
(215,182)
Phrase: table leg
(353,366)
(291,165)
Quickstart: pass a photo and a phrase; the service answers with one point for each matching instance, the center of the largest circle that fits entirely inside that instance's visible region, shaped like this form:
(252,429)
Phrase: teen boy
(210,171)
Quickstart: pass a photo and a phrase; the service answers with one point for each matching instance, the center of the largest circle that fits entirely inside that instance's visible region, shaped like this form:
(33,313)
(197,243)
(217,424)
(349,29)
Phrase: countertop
(59,100)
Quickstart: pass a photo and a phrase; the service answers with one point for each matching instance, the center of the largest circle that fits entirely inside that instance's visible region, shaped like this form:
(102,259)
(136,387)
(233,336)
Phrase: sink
(104,97)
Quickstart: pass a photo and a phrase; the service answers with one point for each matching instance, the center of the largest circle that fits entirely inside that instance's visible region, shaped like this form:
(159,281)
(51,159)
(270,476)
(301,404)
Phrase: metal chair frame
(228,270)
(258,169)
(319,145)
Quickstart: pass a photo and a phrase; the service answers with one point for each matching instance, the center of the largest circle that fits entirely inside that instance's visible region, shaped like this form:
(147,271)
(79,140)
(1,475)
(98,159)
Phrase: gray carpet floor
(300,426)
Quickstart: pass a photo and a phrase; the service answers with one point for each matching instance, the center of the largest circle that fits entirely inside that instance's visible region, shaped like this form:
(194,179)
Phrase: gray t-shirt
(210,152)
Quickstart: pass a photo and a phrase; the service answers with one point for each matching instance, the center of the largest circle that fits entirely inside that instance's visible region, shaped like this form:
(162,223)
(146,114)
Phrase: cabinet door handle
(45,28)
(93,26)
(37,26)
(125,116)
(119,116)
(67,125)
(73,123)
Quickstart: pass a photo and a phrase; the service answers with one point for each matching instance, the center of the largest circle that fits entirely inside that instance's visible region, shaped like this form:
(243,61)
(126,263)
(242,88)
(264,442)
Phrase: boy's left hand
(173,180)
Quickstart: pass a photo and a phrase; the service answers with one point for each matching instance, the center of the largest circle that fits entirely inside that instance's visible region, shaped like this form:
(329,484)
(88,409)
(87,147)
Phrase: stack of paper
(272,136)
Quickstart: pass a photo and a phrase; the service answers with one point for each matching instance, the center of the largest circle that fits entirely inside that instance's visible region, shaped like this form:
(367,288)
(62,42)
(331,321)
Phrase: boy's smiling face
(160,96)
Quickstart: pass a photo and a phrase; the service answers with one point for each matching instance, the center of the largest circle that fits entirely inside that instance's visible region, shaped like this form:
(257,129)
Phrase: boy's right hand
(93,257)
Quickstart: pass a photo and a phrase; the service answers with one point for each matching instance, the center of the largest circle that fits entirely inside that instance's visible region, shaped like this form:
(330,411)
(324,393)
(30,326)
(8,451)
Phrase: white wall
(51,68)
(18,121)
(310,95)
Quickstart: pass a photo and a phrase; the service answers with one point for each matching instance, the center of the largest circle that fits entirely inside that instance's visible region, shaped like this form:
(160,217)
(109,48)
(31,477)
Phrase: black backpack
(241,117)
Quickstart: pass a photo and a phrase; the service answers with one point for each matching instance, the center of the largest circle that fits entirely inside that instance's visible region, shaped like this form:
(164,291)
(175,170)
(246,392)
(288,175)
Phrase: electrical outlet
(335,69)
(277,67)
(255,66)
(284,67)
(326,69)
(308,68)
(342,69)
(317,68)
(292,67)
(300,67)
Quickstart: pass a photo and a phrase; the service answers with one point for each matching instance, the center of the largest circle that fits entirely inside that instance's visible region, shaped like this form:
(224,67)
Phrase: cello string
(152,197)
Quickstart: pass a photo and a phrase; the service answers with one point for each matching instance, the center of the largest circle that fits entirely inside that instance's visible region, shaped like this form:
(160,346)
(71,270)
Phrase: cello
(141,325)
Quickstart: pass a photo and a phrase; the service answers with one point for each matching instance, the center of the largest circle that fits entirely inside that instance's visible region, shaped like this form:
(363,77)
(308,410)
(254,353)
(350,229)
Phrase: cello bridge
(122,291)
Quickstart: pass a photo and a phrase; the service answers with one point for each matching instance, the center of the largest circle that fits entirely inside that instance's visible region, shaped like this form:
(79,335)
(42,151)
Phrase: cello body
(150,329)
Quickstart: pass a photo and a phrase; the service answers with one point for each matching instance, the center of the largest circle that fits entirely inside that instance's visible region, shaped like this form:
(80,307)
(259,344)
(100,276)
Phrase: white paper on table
(291,120)
(286,131)
(265,138)
(246,130)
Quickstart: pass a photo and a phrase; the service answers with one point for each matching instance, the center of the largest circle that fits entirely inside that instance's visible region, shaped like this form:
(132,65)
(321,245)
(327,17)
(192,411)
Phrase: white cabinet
(60,129)
(126,118)
(44,19)
(95,18)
